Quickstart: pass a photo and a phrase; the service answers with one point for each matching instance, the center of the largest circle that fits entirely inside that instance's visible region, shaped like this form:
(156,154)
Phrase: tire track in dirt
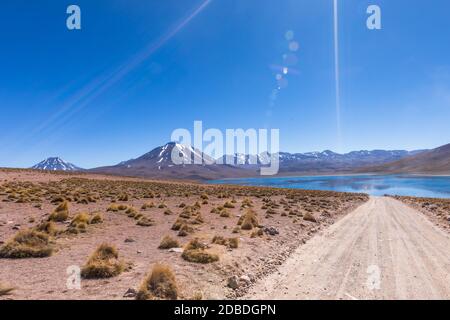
(409,251)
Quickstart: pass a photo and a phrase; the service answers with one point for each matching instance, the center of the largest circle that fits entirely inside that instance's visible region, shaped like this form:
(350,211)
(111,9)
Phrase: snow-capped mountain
(325,161)
(170,155)
(55,164)
(174,161)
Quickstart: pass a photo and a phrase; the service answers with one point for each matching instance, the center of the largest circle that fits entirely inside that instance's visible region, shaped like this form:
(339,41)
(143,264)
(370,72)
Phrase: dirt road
(382,250)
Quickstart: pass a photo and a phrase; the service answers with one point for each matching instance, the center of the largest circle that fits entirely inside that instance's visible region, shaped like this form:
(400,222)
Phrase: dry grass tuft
(147,205)
(96,218)
(61,213)
(113,207)
(195,252)
(168,242)
(27,244)
(233,243)
(5,290)
(230,242)
(48,227)
(103,263)
(228,205)
(309,217)
(248,221)
(145,222)
(159,284)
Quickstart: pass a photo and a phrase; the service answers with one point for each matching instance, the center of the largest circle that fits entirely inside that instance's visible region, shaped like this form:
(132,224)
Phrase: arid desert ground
(139,239)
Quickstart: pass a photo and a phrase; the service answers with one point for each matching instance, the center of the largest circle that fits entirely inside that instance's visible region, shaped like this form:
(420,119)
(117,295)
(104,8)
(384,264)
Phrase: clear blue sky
(140,69)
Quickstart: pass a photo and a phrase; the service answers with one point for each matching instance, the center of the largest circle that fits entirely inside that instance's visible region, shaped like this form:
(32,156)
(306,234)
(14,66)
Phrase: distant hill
(435,161)
(55,164)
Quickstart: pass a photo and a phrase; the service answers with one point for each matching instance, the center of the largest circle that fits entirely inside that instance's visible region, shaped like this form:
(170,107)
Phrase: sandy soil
(382,250)
(46,278)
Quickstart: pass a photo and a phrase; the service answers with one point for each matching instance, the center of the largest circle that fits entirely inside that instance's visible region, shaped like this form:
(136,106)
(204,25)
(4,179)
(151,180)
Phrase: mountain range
(157,164)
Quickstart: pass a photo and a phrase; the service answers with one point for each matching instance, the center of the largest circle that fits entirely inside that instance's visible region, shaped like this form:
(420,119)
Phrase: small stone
(271,231)
(177,250)
(139,251)
(233,282)
(245,279)
(129,240)
(131,293)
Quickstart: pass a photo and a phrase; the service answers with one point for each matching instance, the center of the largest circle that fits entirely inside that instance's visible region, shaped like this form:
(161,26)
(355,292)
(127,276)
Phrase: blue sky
(140,69)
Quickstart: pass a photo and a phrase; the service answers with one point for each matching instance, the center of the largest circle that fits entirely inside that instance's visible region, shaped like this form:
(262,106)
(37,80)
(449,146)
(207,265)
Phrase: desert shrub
(198,219)
(162,206)
(233,243)
(185,230)
(83,201)
(168,242)
(178,224)
(123,197)
(195,252)
(257,233)
(96,218)
(197,296)
(113,207)
(79,223)
(47,227)
(27,244)
(197,205)
(225,213)
(131,212)
(248,221)
(228,205)
(148,205)
(160,283)
(103,263)
(309,217)
(80,218)
(61,213)
(57,199)
(122,207)
(230,242)
(145,222)
(168,212)
(5,290)
(247,203)
(219,240)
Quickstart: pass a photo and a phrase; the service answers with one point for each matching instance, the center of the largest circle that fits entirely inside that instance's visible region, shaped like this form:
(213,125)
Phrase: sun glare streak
(336,75)
(103,82)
